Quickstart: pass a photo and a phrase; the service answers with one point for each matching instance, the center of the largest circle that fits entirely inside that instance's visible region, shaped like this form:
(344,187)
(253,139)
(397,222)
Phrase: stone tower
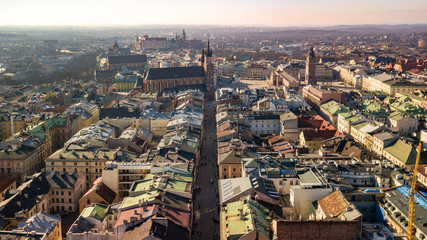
(310,68)
(207,62)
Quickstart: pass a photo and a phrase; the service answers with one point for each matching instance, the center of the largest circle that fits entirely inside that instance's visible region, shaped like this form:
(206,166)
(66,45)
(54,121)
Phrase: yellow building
(314,138)
(85,159)
(89,112)
(230,161)
(12,124)
(126,84)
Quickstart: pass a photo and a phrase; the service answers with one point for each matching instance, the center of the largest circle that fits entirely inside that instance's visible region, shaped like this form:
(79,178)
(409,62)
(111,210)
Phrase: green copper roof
(334,107)
(40,130)
(97,211)
(404,152)
(244,216)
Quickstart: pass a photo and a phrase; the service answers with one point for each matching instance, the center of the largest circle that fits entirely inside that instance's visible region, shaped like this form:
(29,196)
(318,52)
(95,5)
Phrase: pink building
(316,96)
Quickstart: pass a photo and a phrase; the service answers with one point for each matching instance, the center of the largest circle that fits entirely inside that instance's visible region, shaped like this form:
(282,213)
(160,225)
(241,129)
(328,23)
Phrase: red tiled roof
(223,133)
(275,139)
(224,126)
(414,71)
(102,190)
(314,122)
(135,212)
(334,204)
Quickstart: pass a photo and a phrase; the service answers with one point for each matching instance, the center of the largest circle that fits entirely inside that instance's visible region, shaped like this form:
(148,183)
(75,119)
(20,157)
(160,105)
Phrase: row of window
(61,201)
(225,169)
(62,193)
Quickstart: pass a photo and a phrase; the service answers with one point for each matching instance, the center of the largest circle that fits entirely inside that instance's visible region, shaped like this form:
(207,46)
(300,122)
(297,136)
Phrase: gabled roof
(233,157)
(403,151)
(175,72)
(62,180)
(320,135)
(41,223)
(336,206)
(102,190)
(384,136)
(127,59)
(97,211)
(25,196)
(157,227)
(5,182)
(314,122)
(230,188)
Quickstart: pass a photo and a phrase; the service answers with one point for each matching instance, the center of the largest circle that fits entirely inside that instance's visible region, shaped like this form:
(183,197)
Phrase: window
(88,201)
(225,169)
(62,192)
(69,193)
(234,169)
(70,208)
(69,200)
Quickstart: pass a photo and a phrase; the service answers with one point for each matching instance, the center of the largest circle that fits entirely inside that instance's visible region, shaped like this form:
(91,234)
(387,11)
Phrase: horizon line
(209,25)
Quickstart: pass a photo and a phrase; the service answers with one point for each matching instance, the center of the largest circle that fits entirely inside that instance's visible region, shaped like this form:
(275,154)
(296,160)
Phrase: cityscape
(226,121)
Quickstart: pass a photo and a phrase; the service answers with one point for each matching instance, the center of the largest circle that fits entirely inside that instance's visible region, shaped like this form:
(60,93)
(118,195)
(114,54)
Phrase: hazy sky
(215,12)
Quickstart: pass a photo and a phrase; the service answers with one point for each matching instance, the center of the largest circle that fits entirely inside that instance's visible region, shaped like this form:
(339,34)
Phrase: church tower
(207,62)
(184,36)
(310,68)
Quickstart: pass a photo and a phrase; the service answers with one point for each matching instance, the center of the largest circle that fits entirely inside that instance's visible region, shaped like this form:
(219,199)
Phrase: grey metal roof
(175,72)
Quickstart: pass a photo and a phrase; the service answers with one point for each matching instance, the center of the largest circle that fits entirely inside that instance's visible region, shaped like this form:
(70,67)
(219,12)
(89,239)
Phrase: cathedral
(202,76)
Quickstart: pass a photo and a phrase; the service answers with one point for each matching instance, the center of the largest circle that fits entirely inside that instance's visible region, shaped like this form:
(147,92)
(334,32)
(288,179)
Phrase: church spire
(312,52)
(209,50)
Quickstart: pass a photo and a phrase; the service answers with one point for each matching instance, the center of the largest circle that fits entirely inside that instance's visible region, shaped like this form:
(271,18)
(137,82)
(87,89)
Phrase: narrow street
(206,219)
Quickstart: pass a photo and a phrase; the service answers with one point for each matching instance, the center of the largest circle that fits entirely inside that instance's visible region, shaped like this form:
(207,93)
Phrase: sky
(215,12)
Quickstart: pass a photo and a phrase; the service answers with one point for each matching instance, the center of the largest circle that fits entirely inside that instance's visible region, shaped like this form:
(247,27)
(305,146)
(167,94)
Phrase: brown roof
(102,190)
(314,122)
(423,171)
(275,139)
(223,133)
(156,228)
(139,212)
(5,181)
(334,204)
(320,135)
(224,126)
(233,157)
